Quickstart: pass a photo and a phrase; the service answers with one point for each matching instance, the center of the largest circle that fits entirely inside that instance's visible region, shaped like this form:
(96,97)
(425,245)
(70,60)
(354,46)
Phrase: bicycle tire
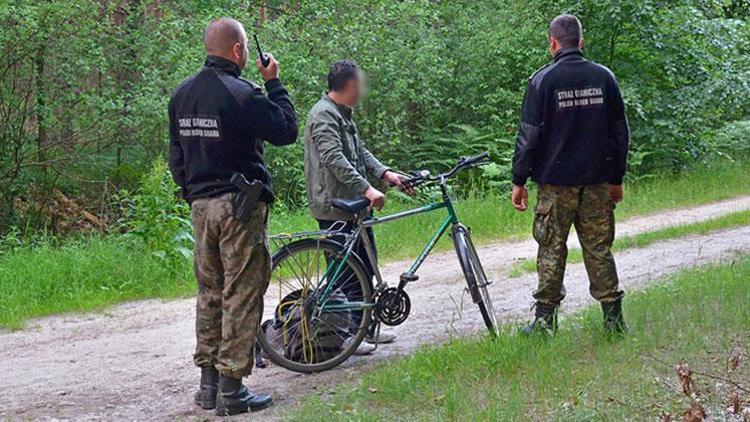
(355,264)
(476,279)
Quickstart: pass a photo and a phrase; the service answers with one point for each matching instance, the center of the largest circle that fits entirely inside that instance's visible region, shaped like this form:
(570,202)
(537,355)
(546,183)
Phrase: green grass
(575,256)
(93,273)
(578,375)
(82,276)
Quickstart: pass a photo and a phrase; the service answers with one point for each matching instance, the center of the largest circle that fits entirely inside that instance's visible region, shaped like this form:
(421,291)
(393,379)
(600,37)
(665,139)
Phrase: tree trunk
(39,85)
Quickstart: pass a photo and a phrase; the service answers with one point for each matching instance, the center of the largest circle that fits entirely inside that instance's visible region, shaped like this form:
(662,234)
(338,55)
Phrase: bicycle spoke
(336,330)
(299,266)
(300,271)
(294,273)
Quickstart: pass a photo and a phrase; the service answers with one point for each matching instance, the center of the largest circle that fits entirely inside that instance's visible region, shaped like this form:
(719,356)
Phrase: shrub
(156,217)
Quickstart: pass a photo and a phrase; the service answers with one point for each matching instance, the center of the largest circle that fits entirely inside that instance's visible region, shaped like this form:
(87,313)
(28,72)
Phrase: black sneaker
(234,398)
(205,397)
(545,320)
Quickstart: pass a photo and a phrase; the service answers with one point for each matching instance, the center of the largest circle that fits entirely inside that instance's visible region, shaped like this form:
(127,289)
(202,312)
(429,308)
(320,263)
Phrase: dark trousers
(347,283)
(359,247)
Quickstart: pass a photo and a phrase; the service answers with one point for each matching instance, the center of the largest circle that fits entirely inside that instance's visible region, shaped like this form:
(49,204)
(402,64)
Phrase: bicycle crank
(392,306)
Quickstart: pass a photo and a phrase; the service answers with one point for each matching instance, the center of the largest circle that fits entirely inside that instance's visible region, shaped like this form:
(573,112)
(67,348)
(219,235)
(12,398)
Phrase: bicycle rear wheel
(322,306)
(476,279)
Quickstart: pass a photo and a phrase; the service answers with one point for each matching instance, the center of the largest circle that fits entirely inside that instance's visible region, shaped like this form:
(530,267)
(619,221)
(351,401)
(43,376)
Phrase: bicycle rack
(280,240)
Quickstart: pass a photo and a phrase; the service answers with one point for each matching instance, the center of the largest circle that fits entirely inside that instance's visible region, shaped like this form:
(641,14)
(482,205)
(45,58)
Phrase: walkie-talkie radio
(264,59)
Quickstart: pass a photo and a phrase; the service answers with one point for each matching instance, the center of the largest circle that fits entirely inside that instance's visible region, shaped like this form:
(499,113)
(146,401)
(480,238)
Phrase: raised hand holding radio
(267,64)
(264,58)
(271,71)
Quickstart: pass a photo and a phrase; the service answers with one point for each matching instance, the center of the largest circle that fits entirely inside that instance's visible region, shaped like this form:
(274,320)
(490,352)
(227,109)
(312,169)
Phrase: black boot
(545,320)
(234,398)
(205,397)
(613,320)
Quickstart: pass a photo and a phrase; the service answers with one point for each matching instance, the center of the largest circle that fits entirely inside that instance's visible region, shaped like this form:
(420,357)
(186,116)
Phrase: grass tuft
(83,275)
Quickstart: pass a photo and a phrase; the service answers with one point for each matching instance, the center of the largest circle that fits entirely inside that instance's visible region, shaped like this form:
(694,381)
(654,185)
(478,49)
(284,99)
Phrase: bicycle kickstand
(376,336)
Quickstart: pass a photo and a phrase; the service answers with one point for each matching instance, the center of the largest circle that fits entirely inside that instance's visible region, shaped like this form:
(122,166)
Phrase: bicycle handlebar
(422,176)
(468,162)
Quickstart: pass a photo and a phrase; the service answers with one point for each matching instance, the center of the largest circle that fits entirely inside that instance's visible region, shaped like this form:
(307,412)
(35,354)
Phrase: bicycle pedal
(408,278)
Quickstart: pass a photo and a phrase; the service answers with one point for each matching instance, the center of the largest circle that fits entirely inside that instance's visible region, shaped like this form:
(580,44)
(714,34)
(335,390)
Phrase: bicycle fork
(463,252)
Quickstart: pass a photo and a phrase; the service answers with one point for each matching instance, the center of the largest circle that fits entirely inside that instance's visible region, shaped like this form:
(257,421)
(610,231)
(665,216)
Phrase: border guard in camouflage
(573,142)
(218,125)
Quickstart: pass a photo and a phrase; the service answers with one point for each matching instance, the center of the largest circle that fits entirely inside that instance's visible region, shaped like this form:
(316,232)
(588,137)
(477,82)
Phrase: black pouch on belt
(246,200)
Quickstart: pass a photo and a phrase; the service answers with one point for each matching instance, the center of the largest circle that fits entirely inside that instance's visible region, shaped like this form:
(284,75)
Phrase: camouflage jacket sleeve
(326,134)
(374,167)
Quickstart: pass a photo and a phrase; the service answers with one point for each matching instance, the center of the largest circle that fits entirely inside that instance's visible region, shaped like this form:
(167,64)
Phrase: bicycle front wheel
(322,306)
(476,279)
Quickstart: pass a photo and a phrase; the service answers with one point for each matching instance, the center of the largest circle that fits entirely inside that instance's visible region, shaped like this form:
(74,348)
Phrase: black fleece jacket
(573,127)
(217,126)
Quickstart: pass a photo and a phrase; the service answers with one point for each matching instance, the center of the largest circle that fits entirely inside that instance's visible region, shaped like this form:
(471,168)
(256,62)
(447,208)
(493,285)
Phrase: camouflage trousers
(591,211)
(233,268)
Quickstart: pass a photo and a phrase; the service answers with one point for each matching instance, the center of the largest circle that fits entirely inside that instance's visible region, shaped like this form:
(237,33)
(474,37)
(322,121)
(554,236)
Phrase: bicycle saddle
(352,206)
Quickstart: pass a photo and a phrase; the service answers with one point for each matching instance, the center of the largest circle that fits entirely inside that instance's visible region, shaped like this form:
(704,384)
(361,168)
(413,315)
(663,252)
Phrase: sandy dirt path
(133,361)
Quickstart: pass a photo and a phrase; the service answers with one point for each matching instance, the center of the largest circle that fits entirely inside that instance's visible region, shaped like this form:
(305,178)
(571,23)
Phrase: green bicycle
(326,298)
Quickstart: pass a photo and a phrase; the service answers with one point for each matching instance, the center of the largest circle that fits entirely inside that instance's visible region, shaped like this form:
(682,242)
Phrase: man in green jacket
(337,164)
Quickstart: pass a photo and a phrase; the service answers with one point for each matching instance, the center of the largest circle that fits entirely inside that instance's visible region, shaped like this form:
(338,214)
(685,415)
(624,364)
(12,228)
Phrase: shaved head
(566,29)
(226,37)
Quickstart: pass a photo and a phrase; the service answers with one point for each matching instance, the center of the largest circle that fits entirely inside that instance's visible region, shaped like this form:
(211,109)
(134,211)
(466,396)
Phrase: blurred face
(356,88)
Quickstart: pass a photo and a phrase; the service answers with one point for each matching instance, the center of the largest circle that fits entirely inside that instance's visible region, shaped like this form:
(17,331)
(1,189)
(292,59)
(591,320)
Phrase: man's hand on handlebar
(376,197)
(395,179)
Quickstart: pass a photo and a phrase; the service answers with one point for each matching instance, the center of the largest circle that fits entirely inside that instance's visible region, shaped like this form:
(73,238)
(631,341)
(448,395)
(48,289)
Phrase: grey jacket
(337,164)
